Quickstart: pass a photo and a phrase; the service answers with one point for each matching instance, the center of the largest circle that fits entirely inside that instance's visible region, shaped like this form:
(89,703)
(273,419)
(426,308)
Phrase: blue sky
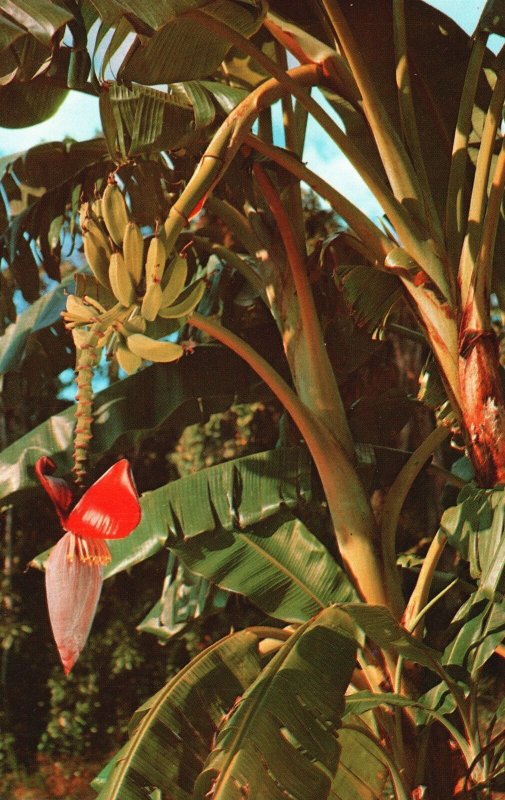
(78,117)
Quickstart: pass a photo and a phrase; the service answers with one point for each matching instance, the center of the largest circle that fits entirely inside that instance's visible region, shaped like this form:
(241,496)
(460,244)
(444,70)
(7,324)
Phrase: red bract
(109,509)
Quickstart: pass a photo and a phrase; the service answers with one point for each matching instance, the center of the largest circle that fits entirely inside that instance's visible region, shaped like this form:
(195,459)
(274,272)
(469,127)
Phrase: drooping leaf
(139,119)
(25,104)
(380,626)
(480,628)
(183,49)
(280,739)
(172,733)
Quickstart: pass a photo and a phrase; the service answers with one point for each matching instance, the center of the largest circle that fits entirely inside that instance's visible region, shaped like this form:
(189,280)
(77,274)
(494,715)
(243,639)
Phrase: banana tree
(416,106)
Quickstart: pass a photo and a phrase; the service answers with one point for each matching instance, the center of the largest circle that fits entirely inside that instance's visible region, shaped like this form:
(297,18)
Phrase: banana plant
(324,700)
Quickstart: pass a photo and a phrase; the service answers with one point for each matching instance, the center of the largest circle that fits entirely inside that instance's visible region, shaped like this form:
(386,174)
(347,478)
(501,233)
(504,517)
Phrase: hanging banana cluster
(144,288)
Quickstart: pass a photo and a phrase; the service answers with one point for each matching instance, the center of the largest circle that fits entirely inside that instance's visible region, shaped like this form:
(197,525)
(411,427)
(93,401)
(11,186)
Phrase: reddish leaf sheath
(109,509)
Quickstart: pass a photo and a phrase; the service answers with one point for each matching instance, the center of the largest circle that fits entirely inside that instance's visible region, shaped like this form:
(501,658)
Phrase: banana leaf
(172,733)
(475,528)
(185,597)
(26,104)
(163,397)
(361,772)
(43,312)
(279,740)
(139,119)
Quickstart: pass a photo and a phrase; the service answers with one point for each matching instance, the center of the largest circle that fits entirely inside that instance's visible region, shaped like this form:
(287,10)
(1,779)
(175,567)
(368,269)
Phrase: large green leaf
(475,527)
(480,628)
(279,741)
(278,563)
(28,30)
(163,397)
(172,733)
(25,104)
(169,45)
(361,772)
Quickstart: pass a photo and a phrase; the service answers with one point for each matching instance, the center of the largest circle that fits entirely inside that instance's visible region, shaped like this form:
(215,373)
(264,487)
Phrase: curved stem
(370,234)
(393,506)
(419,596)
(315,380)
(347,500)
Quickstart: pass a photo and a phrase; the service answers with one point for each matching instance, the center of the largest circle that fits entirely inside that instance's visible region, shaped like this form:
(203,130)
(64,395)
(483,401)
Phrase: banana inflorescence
(141,281)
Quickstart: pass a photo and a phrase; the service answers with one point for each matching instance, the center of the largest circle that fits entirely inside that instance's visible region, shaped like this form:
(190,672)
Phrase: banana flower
(109,509)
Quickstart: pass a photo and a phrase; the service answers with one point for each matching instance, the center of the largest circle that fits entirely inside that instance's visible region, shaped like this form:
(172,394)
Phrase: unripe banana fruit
(115,212)
(97,252)
(133,251)
(126,359)
(151,302)
(186,306)
(152,350)
(155,261)
(121,280)
(177,274)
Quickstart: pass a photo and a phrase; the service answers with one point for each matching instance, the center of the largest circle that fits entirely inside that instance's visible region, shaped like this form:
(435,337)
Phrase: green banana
(153,350)
(155,261)
(186,306)
(115,212)
(121,280)
(177,274)
(151,302)
(133,251)
(126,359)
(97,252)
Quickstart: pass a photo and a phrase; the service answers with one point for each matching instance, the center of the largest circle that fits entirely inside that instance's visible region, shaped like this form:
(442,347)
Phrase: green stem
(419,596)
(314,376)
(455,214)
(409,120)
(347,500)
(293,191)
(393,506)
(469,260)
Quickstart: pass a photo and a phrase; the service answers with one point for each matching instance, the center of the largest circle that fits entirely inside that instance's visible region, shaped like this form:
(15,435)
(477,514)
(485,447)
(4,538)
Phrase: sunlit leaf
(280,738)
(171,734)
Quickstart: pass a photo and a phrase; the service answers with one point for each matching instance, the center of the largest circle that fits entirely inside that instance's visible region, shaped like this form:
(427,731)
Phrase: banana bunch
(145,287)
